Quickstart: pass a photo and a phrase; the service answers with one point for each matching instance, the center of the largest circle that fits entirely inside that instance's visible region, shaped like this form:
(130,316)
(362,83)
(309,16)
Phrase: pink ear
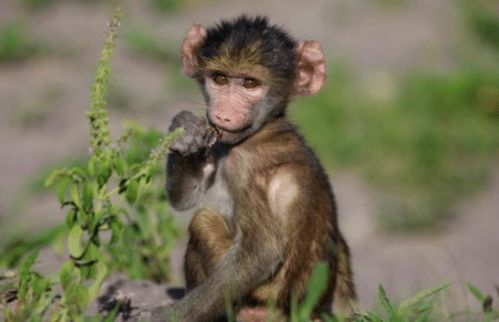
(311,68)
(194,39)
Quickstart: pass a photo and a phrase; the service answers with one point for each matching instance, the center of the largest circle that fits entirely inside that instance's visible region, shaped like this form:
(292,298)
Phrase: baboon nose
(225,120)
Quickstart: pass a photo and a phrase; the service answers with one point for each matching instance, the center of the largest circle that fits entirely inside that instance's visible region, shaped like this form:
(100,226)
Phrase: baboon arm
(237,273)
(185,179)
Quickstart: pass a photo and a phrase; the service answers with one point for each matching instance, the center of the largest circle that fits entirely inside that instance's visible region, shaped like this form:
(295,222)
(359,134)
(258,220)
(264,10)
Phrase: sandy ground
(371,39)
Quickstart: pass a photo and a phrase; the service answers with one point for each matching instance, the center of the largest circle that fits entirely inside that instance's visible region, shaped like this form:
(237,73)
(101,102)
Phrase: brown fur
(208,242)
(277,218)
(309,227)
(345,296)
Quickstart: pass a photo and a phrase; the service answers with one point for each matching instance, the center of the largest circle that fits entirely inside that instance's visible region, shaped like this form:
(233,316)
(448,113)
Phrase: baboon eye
(251,83)
(220,79)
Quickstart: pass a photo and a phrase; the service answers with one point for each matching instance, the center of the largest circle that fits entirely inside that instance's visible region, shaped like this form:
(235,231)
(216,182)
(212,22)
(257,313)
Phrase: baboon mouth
(221,129)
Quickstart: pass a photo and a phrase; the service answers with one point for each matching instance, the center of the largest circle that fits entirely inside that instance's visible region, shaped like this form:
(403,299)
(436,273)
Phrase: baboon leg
(193,267)
(209,239)
(340,289)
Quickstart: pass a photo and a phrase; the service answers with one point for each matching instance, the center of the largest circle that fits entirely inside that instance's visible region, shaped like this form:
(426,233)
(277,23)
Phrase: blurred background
(408,126)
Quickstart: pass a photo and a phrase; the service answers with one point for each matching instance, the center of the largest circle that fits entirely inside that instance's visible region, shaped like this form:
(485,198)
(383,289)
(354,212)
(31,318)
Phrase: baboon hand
(193,137)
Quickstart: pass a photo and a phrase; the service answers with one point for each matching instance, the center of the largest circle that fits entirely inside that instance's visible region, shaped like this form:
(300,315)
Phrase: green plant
(419,307)
(415,308)
(91,209)
(33,294)
(486,301)
(149,235)
(97,217)
(315,289)
(423,306)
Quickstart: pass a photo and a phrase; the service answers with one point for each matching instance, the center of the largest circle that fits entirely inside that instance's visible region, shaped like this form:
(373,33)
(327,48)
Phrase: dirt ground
(372,39)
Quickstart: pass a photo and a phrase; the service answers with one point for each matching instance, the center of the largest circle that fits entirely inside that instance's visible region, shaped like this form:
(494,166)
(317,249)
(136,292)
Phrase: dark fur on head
(272,47)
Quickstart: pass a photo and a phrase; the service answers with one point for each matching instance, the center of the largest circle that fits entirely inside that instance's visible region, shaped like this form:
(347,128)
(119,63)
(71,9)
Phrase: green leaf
(371,317)
(25,275)
(53,176)
(61,189)
(144,183)
(91,253)
(87,196)
(96,221)
(67,275)
(87,269)
(101,274)
(80,298)
(74,242)
(120,165)
(105,167)
(132,191)
(484,299)
(420,296)
(91,166)
(75,195)
(476,292)
(82,218)
(294,308)
(70,218)
(315,288)
(111,317)
(229,310)
(26,265)
(78,175)
(39,285)
(384,301)
(116,229)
